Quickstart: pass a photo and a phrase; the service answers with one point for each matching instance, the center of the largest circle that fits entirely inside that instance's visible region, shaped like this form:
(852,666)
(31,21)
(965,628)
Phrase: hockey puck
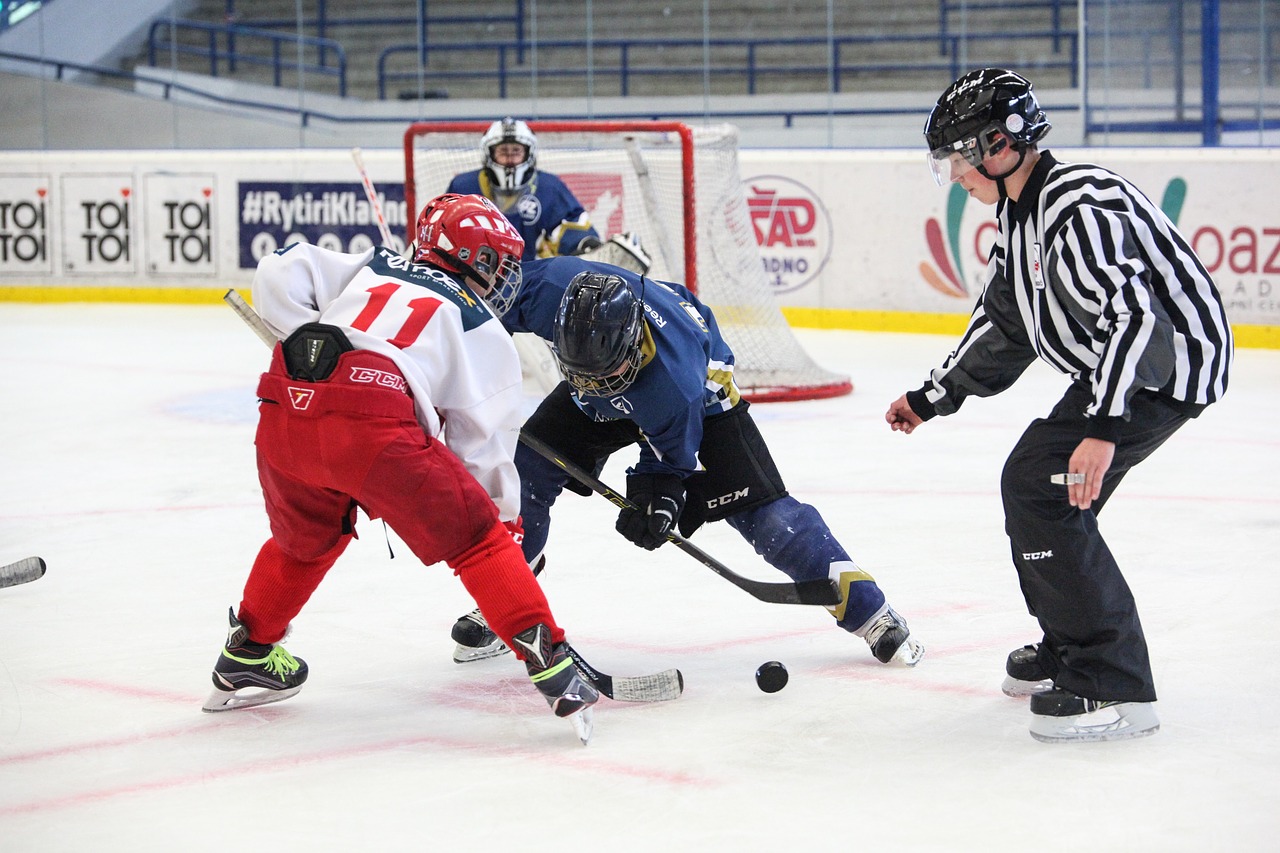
(771,676)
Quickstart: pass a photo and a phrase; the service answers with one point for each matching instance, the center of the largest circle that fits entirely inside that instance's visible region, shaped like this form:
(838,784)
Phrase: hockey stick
(819,591)
(23,571)
(250,317)
(657,687)
(372,196)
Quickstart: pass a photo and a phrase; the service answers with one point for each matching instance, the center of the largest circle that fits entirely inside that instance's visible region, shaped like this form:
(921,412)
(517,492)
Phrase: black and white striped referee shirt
(1090,276)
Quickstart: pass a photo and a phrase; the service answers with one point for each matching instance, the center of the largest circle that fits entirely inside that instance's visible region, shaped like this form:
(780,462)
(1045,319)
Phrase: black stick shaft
(821,591)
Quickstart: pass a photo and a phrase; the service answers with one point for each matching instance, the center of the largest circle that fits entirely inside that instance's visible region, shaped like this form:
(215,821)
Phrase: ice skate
(1024,675)
(475,641)
(553,672)
(266,672)
(890,639)
(1060,716)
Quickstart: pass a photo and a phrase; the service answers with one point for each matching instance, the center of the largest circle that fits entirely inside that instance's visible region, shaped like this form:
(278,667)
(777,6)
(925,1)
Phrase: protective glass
(949,163)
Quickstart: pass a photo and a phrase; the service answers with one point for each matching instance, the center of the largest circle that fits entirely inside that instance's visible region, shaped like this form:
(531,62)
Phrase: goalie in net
(680,190)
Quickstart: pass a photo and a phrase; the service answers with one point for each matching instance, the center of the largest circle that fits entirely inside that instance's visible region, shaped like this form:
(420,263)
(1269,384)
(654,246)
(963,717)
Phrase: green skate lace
(552,671)
(278,661)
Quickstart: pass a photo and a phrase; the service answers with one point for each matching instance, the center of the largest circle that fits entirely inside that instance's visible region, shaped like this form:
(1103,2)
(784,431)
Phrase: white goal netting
(680,189)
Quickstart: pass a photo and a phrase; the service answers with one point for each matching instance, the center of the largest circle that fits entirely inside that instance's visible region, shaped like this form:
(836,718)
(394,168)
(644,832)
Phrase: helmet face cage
(505,178)
(976,116)
(467,234)
(598,331)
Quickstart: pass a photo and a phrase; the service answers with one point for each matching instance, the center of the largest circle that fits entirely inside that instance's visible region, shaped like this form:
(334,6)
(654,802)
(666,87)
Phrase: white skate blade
(909,653)
(469,654)
(231,700)
(1019,689)
(583,724)
(1115,722)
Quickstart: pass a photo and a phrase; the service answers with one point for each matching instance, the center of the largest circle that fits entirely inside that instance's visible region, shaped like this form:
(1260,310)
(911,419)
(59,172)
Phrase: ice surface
(126,450)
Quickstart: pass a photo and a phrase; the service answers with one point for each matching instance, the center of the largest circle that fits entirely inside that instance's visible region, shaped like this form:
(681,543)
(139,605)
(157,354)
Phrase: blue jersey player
(647,366)
(545,211)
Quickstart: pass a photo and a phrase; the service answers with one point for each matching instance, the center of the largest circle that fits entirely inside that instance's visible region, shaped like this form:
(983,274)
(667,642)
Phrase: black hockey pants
(1093,642)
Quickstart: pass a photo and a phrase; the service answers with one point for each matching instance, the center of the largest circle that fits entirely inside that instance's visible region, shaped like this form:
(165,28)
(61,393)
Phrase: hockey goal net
(677,187)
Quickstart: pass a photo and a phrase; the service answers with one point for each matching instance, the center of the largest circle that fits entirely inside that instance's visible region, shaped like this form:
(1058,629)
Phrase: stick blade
(23,571)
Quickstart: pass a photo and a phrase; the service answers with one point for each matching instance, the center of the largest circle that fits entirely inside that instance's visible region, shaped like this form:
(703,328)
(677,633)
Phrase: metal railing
(224,44)
(616,59)
(422,21)
(946,7)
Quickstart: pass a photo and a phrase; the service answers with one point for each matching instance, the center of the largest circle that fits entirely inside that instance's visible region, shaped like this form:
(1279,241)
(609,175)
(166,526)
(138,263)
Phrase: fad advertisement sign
(904,244)
(337,216)
(792,228)
(179,224)
(99,224)
(25,226)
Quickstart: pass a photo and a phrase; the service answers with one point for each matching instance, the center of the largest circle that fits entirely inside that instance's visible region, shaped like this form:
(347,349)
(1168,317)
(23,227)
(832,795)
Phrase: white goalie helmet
(510,178)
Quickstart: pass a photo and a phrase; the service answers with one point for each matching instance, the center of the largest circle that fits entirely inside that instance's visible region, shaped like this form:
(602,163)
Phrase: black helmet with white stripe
(598,330)
(977,116)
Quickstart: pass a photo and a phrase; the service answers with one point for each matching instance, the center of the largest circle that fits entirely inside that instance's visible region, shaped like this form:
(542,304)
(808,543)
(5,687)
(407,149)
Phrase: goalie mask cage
(678,188)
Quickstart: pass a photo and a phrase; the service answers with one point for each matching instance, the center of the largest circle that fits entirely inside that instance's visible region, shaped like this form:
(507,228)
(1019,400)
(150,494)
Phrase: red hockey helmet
(467,234)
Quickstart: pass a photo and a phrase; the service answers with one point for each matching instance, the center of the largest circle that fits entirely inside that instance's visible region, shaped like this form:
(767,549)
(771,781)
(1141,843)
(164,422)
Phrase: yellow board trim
(914,322)
(1251,336)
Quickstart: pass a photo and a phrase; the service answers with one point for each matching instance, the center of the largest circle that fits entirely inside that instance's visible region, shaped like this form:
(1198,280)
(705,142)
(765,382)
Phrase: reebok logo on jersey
(383,378)
(301,397)
(1037,555)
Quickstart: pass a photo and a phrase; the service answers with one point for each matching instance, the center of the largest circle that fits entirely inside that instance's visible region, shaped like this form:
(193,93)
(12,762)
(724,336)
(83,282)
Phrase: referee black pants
(1093,642)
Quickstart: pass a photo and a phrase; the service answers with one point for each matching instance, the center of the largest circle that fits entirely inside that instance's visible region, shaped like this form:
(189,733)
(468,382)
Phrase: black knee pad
(740,472)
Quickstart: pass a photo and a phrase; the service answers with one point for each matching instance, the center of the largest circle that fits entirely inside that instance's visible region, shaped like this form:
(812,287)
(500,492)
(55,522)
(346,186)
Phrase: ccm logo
(1037,555)
(386,379)
(728,499)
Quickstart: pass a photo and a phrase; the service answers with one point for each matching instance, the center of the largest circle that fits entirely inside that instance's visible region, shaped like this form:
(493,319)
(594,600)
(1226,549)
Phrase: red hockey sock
(495,573)
(279,586)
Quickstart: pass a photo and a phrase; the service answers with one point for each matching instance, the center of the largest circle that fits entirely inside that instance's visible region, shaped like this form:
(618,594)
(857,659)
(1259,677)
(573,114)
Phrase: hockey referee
(1090,276)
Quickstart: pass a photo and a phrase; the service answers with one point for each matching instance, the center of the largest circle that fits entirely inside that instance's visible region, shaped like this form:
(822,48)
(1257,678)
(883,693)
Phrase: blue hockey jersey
(686,372)
(548,215)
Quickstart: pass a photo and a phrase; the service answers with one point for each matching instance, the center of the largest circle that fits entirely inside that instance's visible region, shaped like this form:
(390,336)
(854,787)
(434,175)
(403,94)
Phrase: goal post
(680,189)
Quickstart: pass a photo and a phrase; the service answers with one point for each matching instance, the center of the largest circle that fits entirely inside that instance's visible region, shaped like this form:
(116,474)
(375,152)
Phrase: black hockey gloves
(659,498)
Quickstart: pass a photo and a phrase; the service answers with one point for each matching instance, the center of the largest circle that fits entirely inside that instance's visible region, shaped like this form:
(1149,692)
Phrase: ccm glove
(659,499)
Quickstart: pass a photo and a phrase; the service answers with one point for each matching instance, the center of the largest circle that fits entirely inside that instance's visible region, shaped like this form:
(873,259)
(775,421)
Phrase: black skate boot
(475,639)
(553,672)
(890,639)
(1060,716)
(1023,674)
(267,671)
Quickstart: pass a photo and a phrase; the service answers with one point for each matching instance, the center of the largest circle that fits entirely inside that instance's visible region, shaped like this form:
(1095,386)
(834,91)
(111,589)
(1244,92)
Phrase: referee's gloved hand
(659,499)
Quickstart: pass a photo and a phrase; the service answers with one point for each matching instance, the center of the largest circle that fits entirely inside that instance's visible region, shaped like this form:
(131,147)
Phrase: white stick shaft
(372,196)
(23,571)
(250,317)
